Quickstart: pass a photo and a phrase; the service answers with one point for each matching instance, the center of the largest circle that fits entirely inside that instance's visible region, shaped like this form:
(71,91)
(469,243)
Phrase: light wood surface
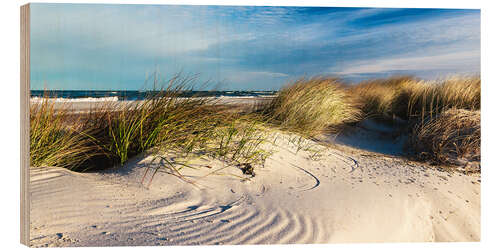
(25,145)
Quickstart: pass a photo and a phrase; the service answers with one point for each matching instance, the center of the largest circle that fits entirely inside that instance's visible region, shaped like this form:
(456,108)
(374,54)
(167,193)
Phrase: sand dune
(344,195)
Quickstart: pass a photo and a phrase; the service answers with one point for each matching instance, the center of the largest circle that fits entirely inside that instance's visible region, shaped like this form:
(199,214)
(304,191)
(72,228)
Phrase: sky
(117,47)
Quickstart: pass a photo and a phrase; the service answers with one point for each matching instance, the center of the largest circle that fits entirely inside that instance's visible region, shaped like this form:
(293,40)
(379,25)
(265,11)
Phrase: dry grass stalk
(312,106)
(455,133)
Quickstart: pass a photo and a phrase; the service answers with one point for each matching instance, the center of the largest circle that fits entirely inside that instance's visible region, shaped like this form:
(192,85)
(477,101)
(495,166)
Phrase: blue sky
(110,47)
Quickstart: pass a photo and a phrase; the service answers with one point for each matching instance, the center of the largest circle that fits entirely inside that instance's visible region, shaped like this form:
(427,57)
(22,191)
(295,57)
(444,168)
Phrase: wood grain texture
(25,145)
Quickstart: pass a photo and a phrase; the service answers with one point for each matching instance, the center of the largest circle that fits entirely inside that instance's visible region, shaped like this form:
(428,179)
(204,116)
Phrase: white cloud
(246,76)
(242,44)
(452,29)
(267,74)
(460,61)
(143,31)
(435,45)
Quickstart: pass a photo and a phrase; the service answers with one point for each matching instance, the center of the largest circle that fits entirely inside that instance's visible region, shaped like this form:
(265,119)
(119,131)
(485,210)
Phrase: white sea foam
(245,97)
(86,99)
(115,99)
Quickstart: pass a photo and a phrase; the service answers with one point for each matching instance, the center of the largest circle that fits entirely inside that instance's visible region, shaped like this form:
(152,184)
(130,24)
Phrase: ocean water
(131,95)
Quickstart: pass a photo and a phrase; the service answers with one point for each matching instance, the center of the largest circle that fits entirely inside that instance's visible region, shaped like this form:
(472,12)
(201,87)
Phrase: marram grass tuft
(312,106)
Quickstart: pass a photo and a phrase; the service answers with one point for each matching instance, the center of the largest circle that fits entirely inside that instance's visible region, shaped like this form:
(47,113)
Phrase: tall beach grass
(312,106)
(409,98)
(452,134)
(443,116)
(55,139)
(427,99)
(111,133)
(377,97)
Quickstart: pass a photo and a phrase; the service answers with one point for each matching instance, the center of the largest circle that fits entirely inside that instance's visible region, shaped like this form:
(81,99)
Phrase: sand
(340,194)
(84,104)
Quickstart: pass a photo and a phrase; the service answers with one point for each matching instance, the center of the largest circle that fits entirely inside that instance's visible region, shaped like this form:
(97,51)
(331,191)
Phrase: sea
(132,95)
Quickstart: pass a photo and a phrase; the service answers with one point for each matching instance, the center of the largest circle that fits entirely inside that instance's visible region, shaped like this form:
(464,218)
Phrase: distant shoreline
(86,104)
(132,95)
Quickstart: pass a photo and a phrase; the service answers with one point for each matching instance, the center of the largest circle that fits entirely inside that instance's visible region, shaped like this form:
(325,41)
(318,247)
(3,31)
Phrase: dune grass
(409,98)
(55,140)
(240,141)
(163,120)
(112,133)
(454,133)
(428,99)
(377,97)
(311,106)
(443,116)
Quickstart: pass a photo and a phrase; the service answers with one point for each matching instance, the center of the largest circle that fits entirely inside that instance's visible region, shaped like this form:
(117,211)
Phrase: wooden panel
(25,144)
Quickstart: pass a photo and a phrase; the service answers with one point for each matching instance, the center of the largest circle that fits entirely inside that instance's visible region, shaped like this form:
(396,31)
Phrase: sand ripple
(343,197)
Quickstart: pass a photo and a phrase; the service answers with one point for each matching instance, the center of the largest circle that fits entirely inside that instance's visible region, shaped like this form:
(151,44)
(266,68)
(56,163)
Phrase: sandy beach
(86,104)
(182,124)
(339,194)
(203,125)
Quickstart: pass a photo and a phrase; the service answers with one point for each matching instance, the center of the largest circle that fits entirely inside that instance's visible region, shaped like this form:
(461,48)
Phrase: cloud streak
(78,46)
(467,62)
